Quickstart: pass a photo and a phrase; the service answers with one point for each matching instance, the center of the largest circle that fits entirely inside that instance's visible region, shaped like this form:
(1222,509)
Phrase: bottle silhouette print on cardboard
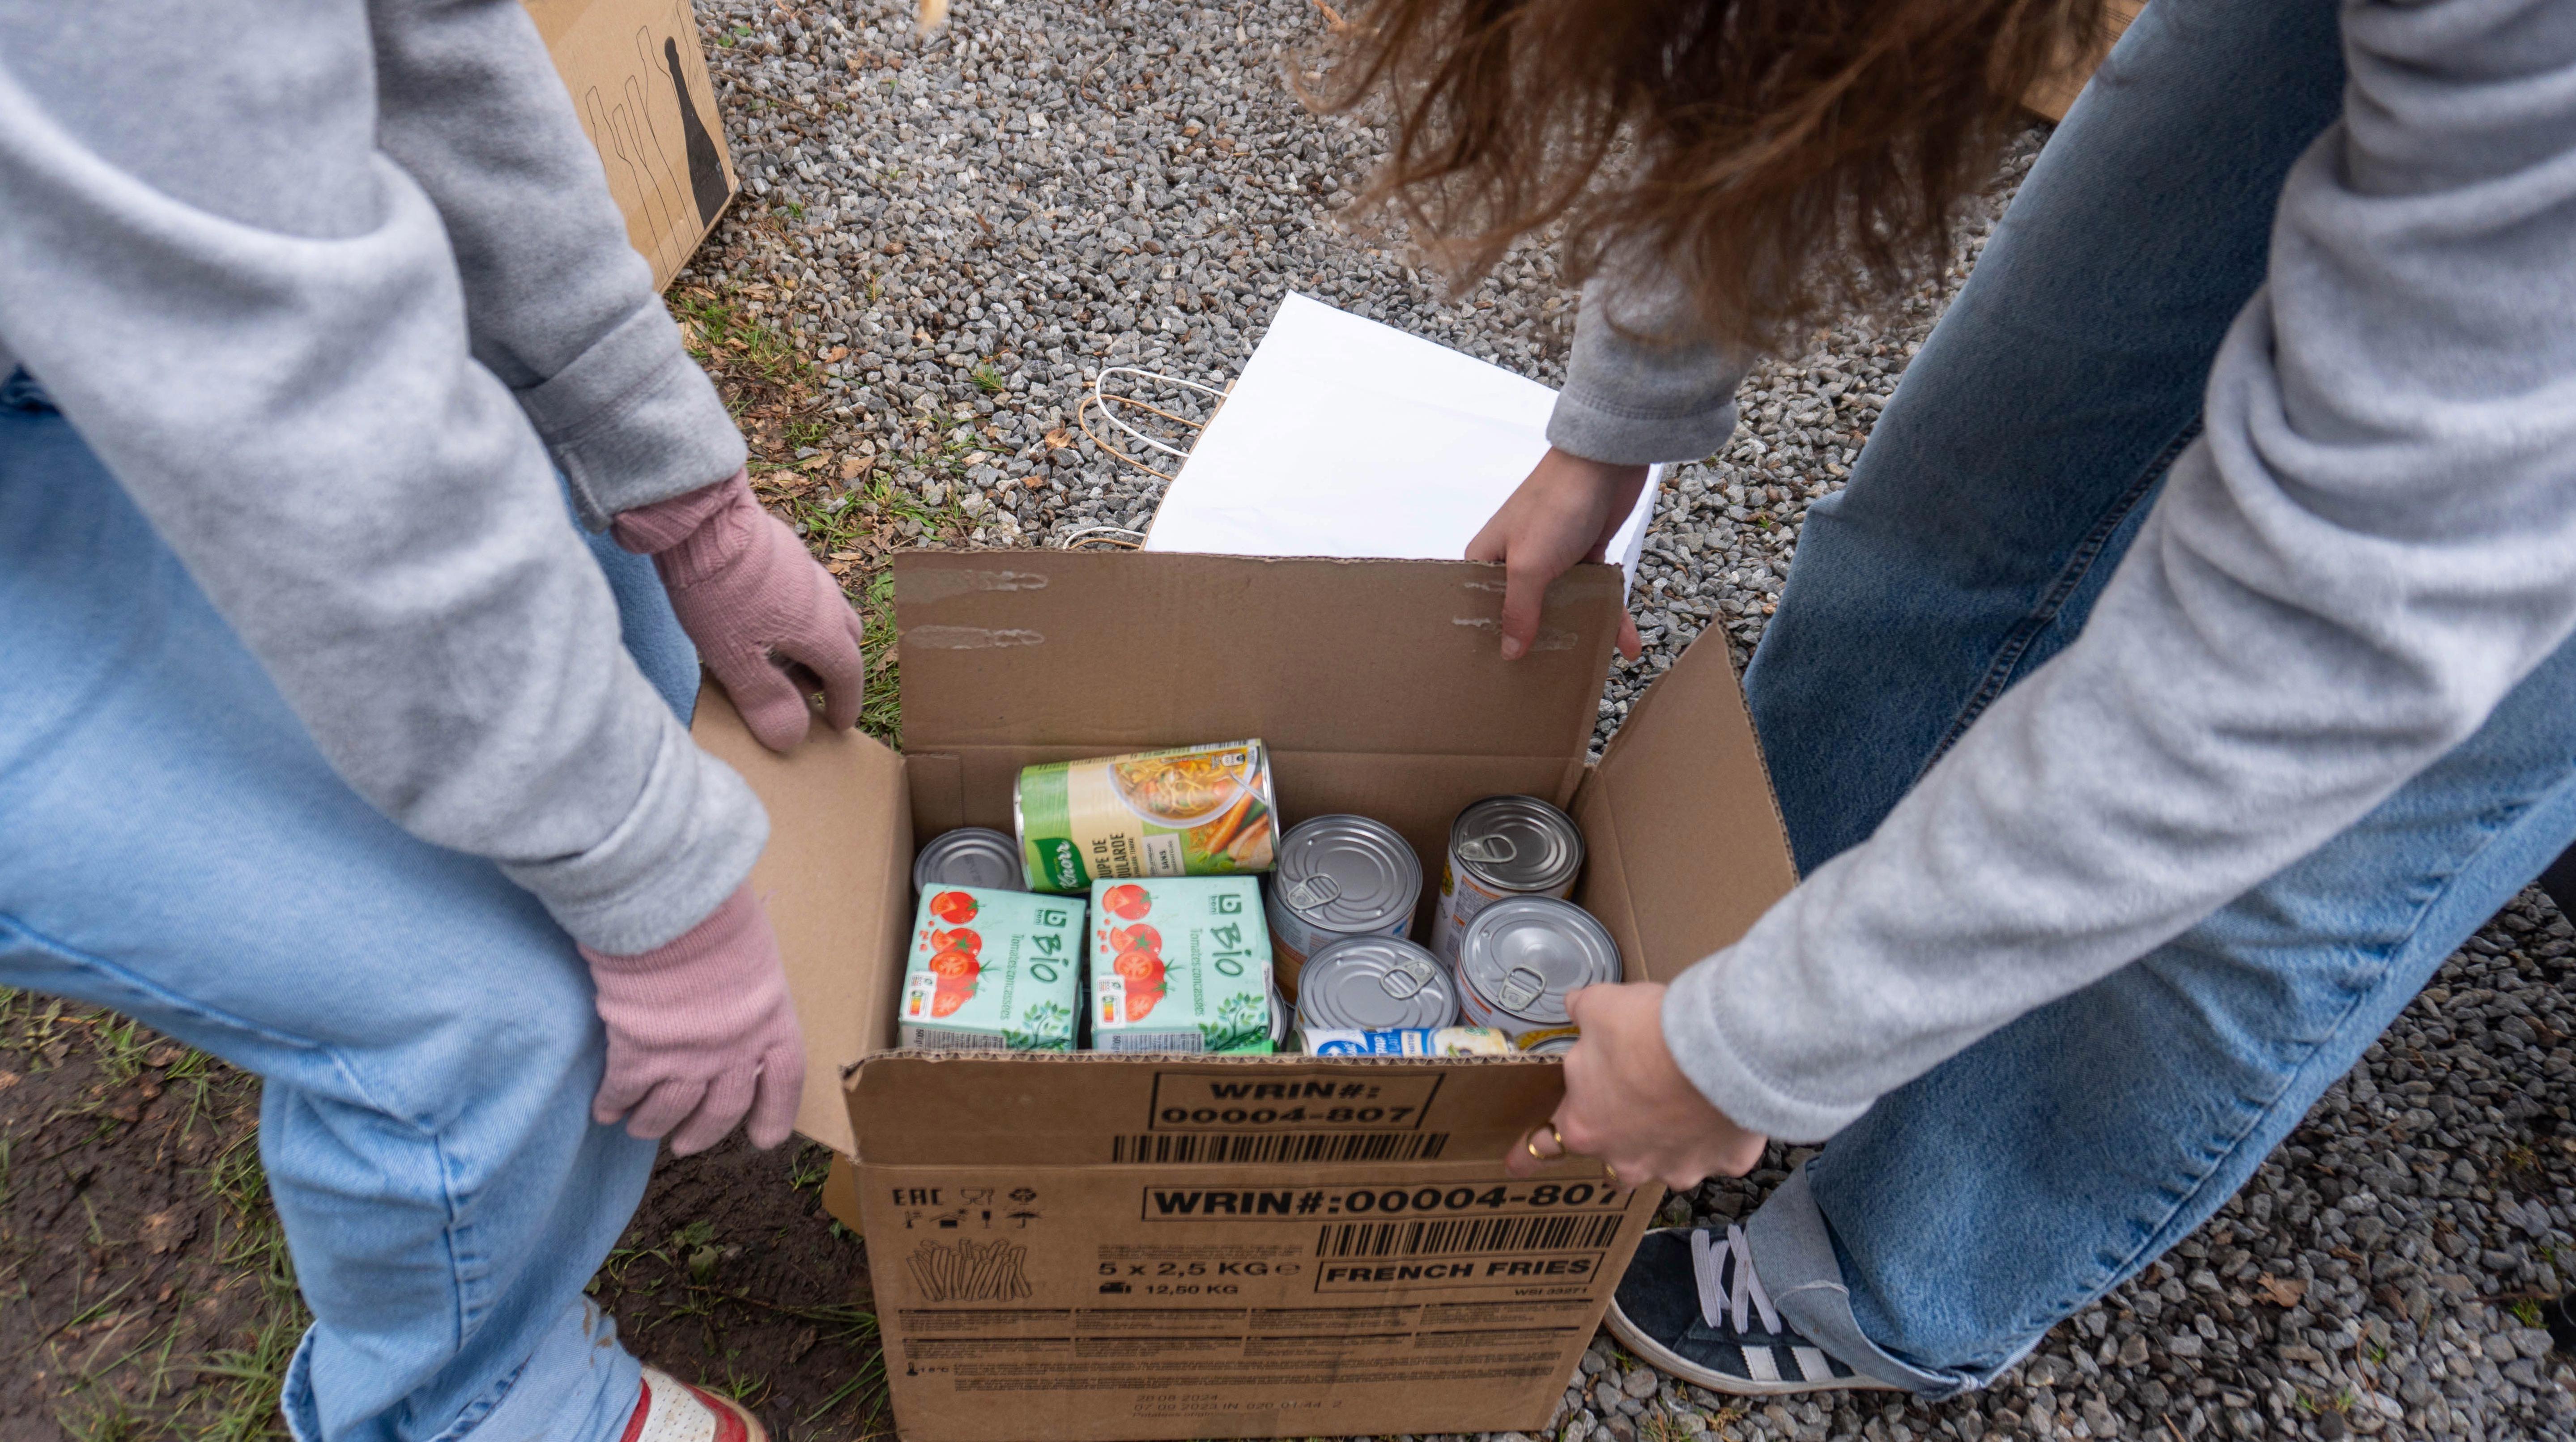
(640,86)
(706,169)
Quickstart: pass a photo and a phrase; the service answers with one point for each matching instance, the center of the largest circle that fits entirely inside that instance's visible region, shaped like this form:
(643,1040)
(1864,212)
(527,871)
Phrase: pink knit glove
(701,1033)
(756,603)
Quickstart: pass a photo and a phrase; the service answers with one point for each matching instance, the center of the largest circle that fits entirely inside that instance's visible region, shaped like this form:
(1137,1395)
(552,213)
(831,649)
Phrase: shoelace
(1720,1293)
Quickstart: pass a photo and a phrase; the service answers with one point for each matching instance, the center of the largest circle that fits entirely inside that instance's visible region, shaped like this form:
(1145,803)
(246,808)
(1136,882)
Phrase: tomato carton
(993,971)
(1179,964)
(1102,1246)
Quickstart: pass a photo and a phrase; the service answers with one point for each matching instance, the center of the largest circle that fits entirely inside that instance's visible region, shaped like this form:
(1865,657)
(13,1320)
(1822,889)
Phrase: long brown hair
(1783,158)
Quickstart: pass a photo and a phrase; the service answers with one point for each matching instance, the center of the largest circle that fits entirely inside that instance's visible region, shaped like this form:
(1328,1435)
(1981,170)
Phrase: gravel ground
(959,235)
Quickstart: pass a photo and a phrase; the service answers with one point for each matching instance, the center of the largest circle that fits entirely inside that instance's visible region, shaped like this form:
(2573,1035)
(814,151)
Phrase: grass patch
(176,1324)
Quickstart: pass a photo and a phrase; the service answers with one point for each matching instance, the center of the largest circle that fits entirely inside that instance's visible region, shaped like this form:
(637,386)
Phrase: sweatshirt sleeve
(2372,544)
(559,305)
(1641,387)
(253,316)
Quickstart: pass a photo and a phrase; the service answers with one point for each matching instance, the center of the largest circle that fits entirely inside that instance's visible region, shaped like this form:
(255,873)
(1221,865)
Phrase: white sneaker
(671,1410)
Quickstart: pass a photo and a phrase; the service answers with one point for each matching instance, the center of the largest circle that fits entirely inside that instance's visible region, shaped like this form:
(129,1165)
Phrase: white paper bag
(1344,437)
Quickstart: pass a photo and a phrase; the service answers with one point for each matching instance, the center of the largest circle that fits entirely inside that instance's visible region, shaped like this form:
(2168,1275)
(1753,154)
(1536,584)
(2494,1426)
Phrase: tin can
(1406,1041)
(993,970)
(1180,964)
(1337,876)
(975,856)
(1375,983)
(1502,846)
(1192,811)
(1547,1041)
(1279,1016)
(1518,960)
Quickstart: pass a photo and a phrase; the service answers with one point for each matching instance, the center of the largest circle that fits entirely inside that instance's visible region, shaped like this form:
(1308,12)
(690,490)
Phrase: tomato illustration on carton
(1007,982)
(1196,979)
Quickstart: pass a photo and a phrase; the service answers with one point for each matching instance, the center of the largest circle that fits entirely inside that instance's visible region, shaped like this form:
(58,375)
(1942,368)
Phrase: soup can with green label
(1191,811)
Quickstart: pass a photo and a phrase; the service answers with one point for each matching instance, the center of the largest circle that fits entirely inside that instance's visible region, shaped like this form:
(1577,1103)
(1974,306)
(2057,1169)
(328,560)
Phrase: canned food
(1278,1016)
(969,856)
(1406,1041)
(1375,983)
(993,970)
(1548,1040)
(1180,964)
(1338,876)
(1194,811)
(1520,958)
(1502,846)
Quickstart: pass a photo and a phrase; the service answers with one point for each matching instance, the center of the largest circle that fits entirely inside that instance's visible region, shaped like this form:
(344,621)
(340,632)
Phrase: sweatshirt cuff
(686,845)
(1614,435)
(633,420)
(1694,1031)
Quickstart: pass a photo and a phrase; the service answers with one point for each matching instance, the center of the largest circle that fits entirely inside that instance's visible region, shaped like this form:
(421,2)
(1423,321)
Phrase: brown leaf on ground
(853,467)
(2278,1292)
(164,1232)
(1058,439)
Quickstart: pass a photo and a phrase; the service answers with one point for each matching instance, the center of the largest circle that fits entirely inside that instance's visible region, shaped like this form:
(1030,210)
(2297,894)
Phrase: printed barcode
(1284,1147)
(1443,1237)
(1154,1041)
(931,1038)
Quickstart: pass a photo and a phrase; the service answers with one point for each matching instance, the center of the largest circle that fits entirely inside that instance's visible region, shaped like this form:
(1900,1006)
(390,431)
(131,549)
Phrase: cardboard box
(639,82)
(2049,98)
(1097,1247)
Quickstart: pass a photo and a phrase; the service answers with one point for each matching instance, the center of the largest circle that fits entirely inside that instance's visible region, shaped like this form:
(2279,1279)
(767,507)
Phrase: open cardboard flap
(836,879)
(1378,686)
(1685,848)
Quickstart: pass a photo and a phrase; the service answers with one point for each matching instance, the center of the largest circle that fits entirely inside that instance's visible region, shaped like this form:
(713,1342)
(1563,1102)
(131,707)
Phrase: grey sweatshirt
(2373,542)
(332,287)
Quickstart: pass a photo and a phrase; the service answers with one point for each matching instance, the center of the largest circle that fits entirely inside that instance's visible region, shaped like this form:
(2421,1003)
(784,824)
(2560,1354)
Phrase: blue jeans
(1936,1239)
(172,845)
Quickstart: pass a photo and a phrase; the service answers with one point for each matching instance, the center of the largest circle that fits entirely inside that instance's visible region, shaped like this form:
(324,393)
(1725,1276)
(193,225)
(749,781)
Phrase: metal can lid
(1374,983)
(1524,953)
(969,856)
(1517,843)
(1346,873)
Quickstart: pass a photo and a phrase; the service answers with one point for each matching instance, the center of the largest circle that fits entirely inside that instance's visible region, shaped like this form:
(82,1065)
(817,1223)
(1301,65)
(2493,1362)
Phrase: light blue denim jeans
(1935,1240)
(172,845)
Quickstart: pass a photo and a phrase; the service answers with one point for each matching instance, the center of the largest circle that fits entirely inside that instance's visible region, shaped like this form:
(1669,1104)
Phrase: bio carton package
(1168,1246)
(993,971)
(1179,964)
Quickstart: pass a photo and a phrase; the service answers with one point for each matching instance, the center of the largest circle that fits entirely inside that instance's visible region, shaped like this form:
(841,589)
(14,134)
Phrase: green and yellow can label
(1191,811)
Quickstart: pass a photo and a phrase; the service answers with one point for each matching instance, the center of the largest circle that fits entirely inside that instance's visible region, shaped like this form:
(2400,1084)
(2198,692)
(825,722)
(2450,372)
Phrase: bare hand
(1628,1104)
(1564,514)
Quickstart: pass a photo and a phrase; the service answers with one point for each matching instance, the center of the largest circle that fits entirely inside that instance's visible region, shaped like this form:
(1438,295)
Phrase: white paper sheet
(1344,437)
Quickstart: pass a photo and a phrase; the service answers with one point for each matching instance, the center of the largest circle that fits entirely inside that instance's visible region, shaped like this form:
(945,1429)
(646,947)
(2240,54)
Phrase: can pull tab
(1308,892)
(1494,849)
(1408,975)
(1521,987)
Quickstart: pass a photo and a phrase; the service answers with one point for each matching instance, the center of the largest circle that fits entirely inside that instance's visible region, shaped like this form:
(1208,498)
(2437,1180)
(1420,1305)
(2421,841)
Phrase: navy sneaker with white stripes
(1690,1306)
